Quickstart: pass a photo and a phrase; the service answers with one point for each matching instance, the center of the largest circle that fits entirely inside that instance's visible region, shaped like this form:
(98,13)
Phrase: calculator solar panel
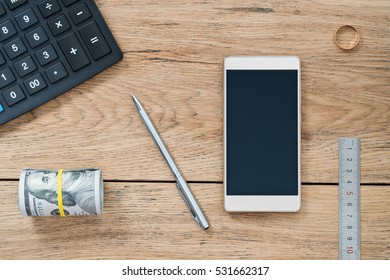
(48,47)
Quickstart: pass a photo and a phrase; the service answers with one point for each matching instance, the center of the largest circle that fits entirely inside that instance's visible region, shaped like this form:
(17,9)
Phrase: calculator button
(49,7)
(6,77)
(35,84)
(56,72)
(36,37)
(68,2)
(15,48)
(73,51)
(7,29)
(26,19)
(2,60)
(94,40)
(2,10)
(80,13)
(13,95)
(25,66)
(46,55)
(59,25)
(12,4)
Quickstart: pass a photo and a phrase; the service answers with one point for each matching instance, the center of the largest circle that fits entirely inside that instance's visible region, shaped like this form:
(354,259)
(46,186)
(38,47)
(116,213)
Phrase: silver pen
(181,184)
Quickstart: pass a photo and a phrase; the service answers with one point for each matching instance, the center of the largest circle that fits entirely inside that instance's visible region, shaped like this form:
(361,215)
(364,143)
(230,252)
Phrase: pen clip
(188,205)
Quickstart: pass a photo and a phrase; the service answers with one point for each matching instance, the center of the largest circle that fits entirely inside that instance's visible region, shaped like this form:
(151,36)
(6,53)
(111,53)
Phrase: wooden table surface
(173,61)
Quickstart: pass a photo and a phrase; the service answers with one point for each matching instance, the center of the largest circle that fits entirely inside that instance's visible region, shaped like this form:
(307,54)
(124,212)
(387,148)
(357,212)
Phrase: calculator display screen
(262,132)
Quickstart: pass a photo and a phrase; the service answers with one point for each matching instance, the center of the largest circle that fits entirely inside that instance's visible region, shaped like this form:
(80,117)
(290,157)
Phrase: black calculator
(48,47)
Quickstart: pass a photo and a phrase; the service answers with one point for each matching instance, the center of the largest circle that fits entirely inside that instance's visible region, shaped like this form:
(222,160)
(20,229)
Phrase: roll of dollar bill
(82,192)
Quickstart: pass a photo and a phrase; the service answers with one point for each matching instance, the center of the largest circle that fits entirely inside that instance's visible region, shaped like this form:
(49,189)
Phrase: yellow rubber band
(59,193)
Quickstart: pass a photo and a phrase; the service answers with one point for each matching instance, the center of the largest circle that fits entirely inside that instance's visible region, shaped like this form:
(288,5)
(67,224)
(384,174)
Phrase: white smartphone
(262,139)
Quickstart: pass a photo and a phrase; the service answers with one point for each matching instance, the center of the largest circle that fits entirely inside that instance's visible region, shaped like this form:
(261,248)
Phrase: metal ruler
(349,198)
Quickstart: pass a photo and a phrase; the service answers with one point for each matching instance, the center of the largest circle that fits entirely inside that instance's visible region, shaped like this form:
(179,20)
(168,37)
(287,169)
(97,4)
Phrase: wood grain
(173,59)
(173,55)
(150,221)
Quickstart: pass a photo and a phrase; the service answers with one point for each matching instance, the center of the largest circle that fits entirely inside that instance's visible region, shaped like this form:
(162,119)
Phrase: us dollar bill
(82,192)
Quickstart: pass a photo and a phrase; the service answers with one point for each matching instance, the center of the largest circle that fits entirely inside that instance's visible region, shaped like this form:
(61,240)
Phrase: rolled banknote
(82,192)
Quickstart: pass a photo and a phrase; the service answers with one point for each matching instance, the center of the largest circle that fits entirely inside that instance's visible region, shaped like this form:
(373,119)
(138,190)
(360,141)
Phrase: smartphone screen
(262,132)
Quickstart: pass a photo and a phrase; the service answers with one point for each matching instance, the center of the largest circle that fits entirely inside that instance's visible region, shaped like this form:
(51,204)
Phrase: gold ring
(353,43)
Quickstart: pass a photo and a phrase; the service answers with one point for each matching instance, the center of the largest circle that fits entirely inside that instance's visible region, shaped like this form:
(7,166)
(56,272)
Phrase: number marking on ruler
(349,198)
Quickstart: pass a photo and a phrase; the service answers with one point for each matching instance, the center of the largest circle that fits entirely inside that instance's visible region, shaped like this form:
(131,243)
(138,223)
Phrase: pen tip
(136,102)
(133,97)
